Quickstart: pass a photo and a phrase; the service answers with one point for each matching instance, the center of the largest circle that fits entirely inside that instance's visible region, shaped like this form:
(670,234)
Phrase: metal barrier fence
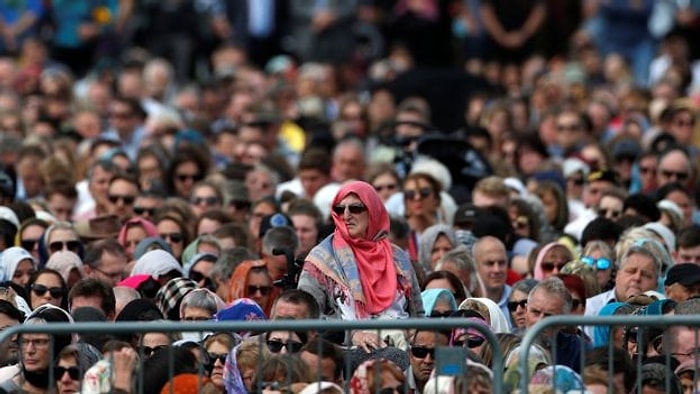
(325,326)
(535,334)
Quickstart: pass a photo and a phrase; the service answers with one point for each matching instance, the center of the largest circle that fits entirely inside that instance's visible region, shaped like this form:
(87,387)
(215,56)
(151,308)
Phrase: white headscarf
(156,263)
(499,322)
(11,257)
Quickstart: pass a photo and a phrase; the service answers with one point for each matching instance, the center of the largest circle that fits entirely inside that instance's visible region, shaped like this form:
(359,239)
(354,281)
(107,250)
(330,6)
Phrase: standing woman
(356,273)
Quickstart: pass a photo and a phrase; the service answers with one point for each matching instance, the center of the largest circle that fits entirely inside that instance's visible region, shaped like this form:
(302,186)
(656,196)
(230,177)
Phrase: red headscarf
(373,253)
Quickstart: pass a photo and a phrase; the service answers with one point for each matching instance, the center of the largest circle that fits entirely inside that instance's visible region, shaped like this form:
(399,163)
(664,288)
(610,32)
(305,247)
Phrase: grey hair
(229,260)
(274,175)
(280,237)
(525,285)
(461,257)
(200,298)
(554,287)
(642,247)
(601,246)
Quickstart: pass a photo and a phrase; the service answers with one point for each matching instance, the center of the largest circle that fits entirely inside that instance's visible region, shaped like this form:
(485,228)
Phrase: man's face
(610,207)
(673,167)
(61,206)
(682,126)
(99,185)
(482,200)
(28,172)
(86,301)
(121,197)
(684,203)
(9,351)
(491,262)
(312,180)
(541,305)
(348,164)
(593,193)
(122,118)
(684,342)
(637,276)
(688,255)
(679,293)
(287,310)
(111,270)
(307,231)
(569,130)
(322,368)
(423,362)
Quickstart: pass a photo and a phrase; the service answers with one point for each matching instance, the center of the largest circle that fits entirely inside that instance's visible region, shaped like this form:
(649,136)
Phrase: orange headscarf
(373,253)
(238,284)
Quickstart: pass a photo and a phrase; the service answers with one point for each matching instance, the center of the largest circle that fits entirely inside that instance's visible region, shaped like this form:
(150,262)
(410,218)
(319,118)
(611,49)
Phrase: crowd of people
(499,161)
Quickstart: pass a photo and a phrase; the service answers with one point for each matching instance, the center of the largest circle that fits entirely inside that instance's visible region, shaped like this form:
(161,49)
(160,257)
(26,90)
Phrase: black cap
(686,274)
(603,175)
(465,214)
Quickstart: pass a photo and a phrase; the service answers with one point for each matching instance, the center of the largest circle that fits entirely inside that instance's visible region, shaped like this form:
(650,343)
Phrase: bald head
(674,166)
(491,264)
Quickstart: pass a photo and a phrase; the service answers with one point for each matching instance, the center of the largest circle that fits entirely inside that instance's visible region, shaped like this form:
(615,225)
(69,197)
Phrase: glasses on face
(73,372)
(175,238)
(111,275)
(208,201)
(647,170)
(513,305)
(57,246)
(195,318)
(390,187)
(263,290)
(197,276)
(354,209)
(29,244)
(471,342)
(422,352)
(548,266)
(276,346)
(422,193)
(150,351)
(55,292)
(393,390)
(614,213)
(439,315)
(215,356)
(142,210)
(38,343)
(240,205)
(601,264)
(684,122)
(127,200)
(187,177)
(680,175)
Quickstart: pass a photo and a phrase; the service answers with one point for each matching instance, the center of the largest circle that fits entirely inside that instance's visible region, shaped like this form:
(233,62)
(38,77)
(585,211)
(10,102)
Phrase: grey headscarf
(427,240)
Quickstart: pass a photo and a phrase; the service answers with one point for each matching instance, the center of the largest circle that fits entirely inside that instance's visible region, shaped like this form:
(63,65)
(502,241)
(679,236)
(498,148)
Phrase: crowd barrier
(445,359)
(536,334)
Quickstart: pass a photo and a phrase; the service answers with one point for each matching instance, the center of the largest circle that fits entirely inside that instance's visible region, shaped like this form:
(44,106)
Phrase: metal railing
(325,326)
(534,334)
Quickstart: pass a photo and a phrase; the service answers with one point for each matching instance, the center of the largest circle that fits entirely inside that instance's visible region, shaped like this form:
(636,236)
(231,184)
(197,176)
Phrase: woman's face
(554,260)
(521,223)
(149,171)
(42,288)
(603,276)
(386,185)
(193,313)
(35,351)
(441,307)
(30,239)
(356,223)
(441,246)
(285,341)
(420,198)
(64,381)
(520,298)
(186,174)
(215,351)
(259,212)
(259,288)
(134,235)
(551,206)
(63,239)
(155,339)
(440,283)
(204,198)
(173,236)
(23,272)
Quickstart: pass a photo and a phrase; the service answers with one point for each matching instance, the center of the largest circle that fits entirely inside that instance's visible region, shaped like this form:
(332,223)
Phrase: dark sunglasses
(208,201)
(40,290)
(441,314)
(513,305)
(424,192)
(174,237)
(128,200)
(264,290)
(548,266)
(213,357)
(57,246)
(422,352)
(198,276)
(276,346)
(389,187)
(185,177)
(393,390)
(141,210)
(681,176)
(614,213)
(353,208)
(29,244)
(406,141)
(150,351)
(240,205)
(601,263)
(73,372)
(196,318)
(471,342)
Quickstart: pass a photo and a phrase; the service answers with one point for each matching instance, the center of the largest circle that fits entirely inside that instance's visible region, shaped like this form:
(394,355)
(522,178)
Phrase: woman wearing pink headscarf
(356,273)
(134,231)
(550,260)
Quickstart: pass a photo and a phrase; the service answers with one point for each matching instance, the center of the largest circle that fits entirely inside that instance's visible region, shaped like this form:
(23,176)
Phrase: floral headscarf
(360,384)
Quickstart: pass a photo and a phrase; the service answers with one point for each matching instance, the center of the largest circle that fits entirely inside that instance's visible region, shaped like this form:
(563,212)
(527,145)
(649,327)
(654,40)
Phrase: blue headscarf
(601,334)
(431,297)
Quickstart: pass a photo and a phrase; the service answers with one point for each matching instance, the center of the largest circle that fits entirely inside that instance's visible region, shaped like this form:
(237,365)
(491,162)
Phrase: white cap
(9,215)
(573,165)
(515,184)
(664,232)
(671,206)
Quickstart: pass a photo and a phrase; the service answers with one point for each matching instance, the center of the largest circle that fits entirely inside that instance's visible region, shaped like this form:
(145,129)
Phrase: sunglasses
(422,352)
(471,342)
(73,372)
(29,244)
(276,346)
(208,201)
(128,200)
(601,263)
(150,351)
(264,290)
(185,177)
(174,237)
(57,246)
(388,187)
(393,390)
(513,305)
(406,141)
(141,210)
(196,318)
(423,192)
(441,314)
(213,357)
(354,209)
(40,290)
(613,212)
(681,176)
(240,205)
(548,266)
(198,277)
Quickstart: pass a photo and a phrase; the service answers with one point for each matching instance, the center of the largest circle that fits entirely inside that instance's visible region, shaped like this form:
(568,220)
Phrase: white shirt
(595,304)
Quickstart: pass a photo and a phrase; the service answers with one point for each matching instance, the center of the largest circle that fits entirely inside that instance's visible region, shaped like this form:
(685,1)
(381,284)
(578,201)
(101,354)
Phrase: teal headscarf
(431,297)
(601,334)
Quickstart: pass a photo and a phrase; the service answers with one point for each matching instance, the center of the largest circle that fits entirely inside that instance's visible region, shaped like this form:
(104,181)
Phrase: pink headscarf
(373,253)
(147,226)
(539,274)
